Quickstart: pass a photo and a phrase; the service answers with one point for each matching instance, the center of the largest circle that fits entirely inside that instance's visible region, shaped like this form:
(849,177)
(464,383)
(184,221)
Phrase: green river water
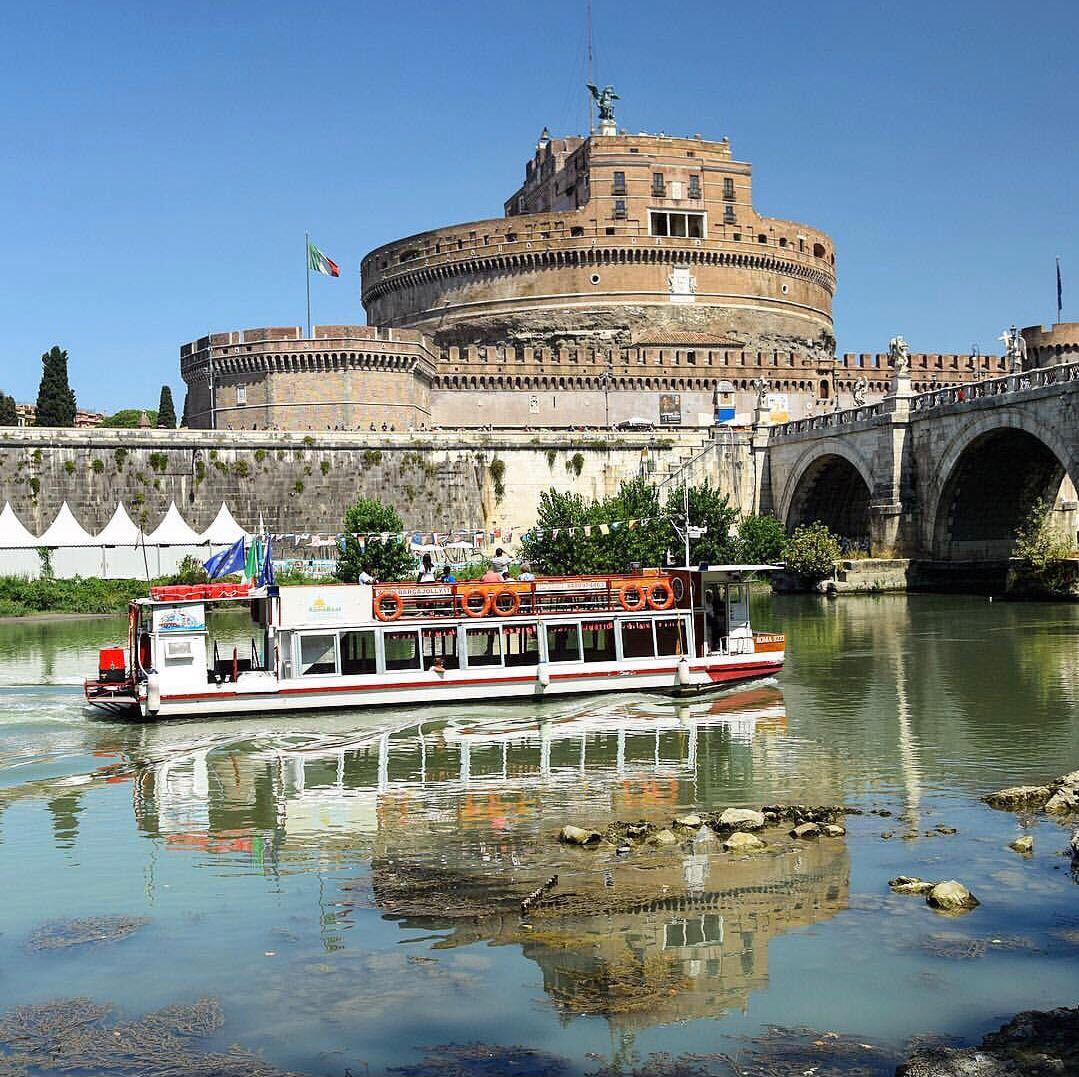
(346,885)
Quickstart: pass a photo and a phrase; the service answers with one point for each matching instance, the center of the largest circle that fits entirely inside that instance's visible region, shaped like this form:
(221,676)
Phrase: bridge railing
(1036,378)
(827,420)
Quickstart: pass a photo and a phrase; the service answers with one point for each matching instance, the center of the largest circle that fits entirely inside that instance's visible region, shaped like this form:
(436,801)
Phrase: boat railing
(549,596)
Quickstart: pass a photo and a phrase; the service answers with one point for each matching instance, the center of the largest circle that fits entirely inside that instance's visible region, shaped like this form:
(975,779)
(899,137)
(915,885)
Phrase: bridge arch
(833,483)
(988,478)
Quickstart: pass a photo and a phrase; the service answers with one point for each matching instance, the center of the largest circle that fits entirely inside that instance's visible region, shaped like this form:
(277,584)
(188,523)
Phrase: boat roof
(738,569)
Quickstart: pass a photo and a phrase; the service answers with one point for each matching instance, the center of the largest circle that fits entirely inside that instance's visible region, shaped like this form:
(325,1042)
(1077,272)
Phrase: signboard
(778,408)
(670,409)
(187,618)
(334,605)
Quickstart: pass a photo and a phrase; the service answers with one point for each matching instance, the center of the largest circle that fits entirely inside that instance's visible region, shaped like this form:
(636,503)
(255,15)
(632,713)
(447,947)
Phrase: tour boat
(677,631)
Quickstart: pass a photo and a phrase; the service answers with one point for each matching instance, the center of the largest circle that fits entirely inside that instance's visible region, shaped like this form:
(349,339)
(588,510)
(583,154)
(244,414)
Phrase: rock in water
(664,837)
(1024,845)
(689,822)
(951,896)
(806,831)
(741,819)
(740,842)
(1064,801)
(575,835)
(910,884)
(1019,796)
(834,830)
(1075,846)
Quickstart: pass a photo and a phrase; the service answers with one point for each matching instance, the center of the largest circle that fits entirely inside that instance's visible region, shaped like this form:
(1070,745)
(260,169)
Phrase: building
(631,276)
(27,416)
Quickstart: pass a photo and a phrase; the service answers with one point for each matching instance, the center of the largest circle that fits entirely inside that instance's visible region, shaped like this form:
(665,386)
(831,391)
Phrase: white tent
(224,531)
(174,530)
(122,553)
(65,530)
(75,551)
(120,530)
(17,554)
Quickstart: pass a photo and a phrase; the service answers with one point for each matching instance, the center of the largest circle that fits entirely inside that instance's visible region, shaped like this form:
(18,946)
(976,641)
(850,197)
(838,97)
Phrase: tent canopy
(174,530)
(65,530)
(120,530)
(224,531)
(13,535)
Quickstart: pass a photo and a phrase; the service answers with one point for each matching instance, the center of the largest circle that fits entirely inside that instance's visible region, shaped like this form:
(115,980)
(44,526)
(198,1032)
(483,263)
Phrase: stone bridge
(947,474)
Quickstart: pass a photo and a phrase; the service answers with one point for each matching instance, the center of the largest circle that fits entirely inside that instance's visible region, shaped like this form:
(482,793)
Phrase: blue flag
(266,576)
(230,560)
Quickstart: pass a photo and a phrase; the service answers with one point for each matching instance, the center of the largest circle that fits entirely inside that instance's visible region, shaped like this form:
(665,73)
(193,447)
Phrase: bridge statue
(1015,349)
(859,391)
(761,387)
(899,353)
(604,99)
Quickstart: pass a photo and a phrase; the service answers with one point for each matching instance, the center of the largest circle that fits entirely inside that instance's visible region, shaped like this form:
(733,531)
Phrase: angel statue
(761,387)
(899,353)
(859,391)
(604,99)
(1015,349)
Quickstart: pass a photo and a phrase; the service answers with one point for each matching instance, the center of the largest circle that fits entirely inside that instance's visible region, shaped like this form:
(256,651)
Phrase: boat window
(484,648)
(520,643)
(358,652)
(637,639)
(402,649)
(670,635)
(598,638)
(318,654)
(440,647)
(564,643)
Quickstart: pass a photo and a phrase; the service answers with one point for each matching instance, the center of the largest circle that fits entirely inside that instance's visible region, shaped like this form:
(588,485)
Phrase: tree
(812,551)
(761,540)
(8,415)
(128,418)
(389,560)
(166,410)
(55,399)
(1043,551)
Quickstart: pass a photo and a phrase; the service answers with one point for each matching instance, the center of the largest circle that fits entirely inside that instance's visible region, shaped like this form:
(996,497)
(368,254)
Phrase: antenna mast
(590,79)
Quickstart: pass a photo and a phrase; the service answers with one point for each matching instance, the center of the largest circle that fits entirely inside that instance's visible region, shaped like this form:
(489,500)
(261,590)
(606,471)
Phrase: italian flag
(317,261)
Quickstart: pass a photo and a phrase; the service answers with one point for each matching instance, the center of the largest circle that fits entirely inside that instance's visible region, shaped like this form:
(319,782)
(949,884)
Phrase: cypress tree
(55,399)
(8,415)
(166,410)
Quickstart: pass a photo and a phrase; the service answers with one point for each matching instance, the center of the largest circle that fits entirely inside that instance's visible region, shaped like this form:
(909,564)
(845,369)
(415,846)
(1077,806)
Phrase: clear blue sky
(161,160)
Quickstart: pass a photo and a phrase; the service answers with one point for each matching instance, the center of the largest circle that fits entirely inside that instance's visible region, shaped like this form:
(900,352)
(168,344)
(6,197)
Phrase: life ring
(514,602)
(630,603)
(396,602)
(660,596)
(473,611)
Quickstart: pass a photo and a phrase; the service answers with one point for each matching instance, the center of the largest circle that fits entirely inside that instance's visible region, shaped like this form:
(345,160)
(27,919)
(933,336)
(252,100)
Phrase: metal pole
(685,505)
(307,263)
(590,80)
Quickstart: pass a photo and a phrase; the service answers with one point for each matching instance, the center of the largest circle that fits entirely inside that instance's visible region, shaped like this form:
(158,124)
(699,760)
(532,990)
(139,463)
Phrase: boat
(678,631)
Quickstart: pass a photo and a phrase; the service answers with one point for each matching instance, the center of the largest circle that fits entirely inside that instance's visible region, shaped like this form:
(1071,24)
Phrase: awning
(65,530)
(13,535)
(120,530)
(174,530)
(224,531)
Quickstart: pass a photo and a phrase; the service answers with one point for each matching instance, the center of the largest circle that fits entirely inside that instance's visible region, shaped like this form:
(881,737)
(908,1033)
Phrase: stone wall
(443,480)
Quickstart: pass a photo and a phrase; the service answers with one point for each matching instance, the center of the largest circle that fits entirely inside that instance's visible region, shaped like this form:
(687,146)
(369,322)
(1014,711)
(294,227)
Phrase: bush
(189,571)
(388,560)
(1043,551)
(761,540)
(811,553)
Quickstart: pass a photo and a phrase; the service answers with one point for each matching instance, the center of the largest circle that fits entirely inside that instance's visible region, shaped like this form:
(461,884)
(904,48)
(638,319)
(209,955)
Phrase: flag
(230,560)
(266,576)
(253,560)
(317,262)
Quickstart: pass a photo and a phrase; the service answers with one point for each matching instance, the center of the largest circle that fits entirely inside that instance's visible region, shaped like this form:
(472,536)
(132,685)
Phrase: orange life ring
(512,608)
(667,596)
(469,609)
(396,601)
(635,604)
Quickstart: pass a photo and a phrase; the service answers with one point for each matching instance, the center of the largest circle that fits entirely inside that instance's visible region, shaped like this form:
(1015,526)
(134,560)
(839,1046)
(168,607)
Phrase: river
(346,885)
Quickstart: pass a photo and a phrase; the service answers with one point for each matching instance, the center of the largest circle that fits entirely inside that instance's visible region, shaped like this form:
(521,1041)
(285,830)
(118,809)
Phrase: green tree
(563,554)
(55,399)
(812,551)
(388,560)
(708,509)
(761,540)
(166,410)
(128,418)
(8,415)
(1043,551)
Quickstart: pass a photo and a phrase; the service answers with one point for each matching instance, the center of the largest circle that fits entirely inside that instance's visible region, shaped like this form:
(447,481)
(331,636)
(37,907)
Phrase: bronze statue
(604,99)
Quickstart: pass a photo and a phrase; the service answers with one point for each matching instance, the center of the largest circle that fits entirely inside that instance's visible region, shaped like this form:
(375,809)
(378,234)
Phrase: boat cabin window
(402,649)
(637,639)
(440,648)
(520,644)
(670,636)
(598,639)
(484,646)
(564,643)
(358,652)
(318,654)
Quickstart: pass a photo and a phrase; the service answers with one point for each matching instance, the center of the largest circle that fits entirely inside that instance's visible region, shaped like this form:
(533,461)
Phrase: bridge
(947,474)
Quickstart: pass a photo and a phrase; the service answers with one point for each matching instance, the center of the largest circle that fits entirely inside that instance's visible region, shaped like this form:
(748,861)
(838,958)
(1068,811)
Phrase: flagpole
(307,262)
(1059,290)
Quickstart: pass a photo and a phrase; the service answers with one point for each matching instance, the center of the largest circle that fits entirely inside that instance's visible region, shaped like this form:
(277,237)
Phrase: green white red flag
(319,263)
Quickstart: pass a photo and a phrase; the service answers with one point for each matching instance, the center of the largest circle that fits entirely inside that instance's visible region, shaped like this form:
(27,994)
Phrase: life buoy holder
(498,602)
(632,598)
(476,611)
(396,603)
(660,596)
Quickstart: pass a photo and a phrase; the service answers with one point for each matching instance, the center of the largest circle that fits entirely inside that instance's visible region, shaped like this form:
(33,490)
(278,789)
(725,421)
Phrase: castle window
(782,241)
(691,358)
(728,215)
(657,184)
(576,230)
(728,188)
(818,250)
(619,183)
(762,238)
(634,149)
(511,237)
(694,186)
(679,225)
(609,231)
(620,207)
(241,394)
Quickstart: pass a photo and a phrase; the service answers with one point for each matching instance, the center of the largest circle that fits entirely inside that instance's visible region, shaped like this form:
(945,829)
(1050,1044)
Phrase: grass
(20,597)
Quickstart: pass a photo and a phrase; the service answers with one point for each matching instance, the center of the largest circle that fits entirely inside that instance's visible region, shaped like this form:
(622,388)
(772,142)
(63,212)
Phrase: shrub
(309,441)
(159,461)
(389,560)
(297,486)
(575,464)
(69,466)
(761,540)
(1043,550)
(97,466)
(190,570)
(241,469)
(324,467)
(119,455)
(372,457)
(498,475)
(811,553)
(552,455)
(260,455)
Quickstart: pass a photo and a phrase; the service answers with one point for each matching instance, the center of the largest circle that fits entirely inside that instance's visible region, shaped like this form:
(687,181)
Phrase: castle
(631,277)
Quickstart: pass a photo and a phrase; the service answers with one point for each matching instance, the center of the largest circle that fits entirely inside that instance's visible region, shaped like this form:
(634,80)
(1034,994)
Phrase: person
(427,570)
(365,577)
(446,575)
(500,562)
(492,576)
(526,573)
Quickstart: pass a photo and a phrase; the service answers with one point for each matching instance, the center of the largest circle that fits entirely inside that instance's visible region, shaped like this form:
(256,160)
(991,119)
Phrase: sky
(160,161)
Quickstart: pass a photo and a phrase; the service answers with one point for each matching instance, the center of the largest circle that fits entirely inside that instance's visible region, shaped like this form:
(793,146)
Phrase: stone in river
(575,835)
(834,830)
(1024,845)
(689,822)
(951,896)
(1019,796)
(806,831)
(1063,801)
(942,829)
(741,819)
(1075,845)
(664,837)
(740,842)
(910,884)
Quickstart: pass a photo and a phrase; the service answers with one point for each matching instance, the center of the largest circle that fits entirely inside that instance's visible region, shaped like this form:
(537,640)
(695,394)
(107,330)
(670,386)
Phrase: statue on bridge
(859,391)
(761,387)
(1015,349)
(899,353)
